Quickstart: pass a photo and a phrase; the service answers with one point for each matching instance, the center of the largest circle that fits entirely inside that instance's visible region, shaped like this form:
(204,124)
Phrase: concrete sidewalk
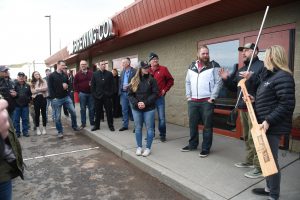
(213,177)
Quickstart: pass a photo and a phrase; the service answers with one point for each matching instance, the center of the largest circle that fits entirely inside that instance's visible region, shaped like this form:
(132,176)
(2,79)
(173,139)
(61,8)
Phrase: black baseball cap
(248,46)
(21,74)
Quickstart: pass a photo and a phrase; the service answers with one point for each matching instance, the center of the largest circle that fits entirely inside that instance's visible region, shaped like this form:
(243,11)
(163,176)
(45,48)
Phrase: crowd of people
(138,92)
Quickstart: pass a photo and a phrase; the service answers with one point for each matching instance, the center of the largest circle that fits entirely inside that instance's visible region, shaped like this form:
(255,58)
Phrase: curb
(174,180)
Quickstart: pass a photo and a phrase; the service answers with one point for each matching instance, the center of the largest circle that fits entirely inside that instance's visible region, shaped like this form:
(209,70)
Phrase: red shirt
(163,78)
(82,81)
(200,66)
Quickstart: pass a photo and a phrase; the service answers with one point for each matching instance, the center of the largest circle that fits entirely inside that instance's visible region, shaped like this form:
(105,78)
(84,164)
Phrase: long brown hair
(135,81)
(34,80)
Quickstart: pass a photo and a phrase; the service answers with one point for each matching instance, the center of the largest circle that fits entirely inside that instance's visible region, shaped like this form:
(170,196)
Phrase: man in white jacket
(202,88)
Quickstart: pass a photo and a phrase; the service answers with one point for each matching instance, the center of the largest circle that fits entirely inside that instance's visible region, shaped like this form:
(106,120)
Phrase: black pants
(40,104)
(116,105)
(107,103)
(273,181)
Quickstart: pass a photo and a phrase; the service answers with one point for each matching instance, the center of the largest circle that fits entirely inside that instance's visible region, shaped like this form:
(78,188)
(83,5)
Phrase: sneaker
(162,139)
(187,149)
(255,173)
(82,126)
(60,135)
(147,152)
(26,135)
(38,131)
(261,191)
(244,165)
(138,151)
(203,154)
(44,130)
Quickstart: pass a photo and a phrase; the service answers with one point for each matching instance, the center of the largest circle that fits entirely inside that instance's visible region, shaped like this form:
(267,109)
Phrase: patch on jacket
(266,84)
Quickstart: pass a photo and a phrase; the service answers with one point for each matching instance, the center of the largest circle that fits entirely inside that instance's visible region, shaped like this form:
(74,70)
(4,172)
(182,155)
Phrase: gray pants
(273,181)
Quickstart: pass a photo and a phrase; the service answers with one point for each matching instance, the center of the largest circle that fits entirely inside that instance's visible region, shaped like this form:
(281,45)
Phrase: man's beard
(205,61)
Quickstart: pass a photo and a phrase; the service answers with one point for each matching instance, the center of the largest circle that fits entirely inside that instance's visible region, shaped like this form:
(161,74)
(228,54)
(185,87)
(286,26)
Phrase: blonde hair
(135,81)
(276,58)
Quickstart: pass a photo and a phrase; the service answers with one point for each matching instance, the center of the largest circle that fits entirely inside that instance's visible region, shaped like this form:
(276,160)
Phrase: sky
(24,28)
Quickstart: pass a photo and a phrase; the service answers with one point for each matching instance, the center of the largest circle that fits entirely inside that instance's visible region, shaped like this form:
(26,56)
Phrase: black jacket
(5,87)
(231,82)
(116,84)
(147,92)
(55,85)
(102,84)
(1,148)
(23,94)
(275,101)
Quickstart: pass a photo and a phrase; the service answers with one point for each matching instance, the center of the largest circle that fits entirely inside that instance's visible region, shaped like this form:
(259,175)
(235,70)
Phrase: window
(226,54)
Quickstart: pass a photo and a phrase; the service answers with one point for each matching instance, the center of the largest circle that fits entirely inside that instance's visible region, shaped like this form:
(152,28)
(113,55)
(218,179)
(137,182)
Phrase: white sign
(102,32)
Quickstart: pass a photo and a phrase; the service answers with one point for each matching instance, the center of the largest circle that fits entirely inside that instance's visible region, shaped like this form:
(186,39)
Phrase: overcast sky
(25,31)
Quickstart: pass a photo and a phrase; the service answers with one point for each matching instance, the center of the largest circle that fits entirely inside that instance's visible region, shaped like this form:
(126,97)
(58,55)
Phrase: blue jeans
(200,111)
(126,110)
(86,100)
(49,103)
(160,106)
(6,190)
(57,104)
(141,117)
(22,112)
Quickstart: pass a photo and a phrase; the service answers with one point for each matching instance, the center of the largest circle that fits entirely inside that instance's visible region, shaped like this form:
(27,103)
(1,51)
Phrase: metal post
(49,17)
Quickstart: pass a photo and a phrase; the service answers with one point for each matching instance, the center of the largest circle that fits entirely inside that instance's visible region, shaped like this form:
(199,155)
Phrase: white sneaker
(146,152)
(44,130)
(138,151)
(38,131)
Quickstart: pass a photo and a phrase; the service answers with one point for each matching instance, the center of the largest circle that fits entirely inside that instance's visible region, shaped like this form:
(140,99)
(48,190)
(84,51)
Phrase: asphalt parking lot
(78,168)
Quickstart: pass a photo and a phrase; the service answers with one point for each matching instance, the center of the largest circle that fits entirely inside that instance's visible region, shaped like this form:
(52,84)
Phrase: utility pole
(49,17)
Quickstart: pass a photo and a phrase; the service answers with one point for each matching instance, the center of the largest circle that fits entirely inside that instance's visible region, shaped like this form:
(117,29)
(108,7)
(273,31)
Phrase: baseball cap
(21,74)
(152,55)
(3,68)
(143,64)
(248,46)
